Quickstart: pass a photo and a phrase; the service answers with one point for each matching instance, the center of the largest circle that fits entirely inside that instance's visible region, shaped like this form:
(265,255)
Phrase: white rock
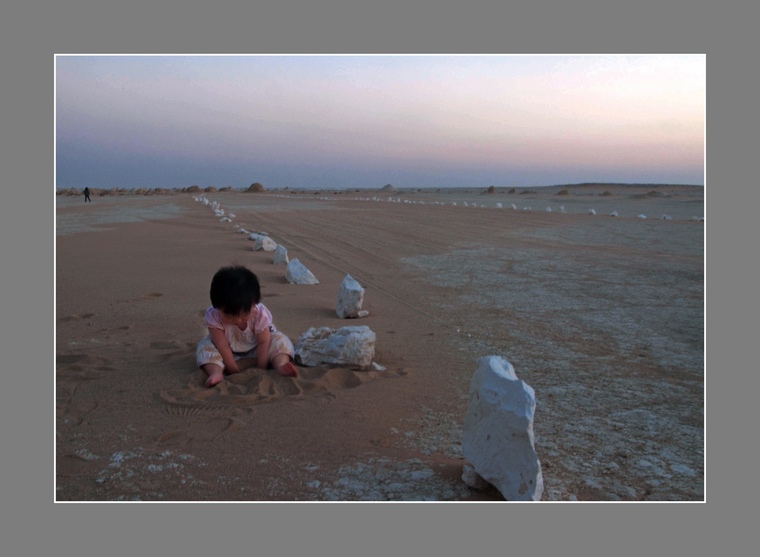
(497,437)
(225,219)
(548,209)
(471,478)
(498,205)
(514,207)
(344,346)
(562,209)
(298,274)
(266,243)
(253,236)
(350,298)
(280,256)
(665,217)
(642,216)
(591,212)
(614,214)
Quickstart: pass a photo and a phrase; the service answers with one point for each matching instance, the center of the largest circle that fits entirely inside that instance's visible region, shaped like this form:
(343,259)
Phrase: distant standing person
(87,195)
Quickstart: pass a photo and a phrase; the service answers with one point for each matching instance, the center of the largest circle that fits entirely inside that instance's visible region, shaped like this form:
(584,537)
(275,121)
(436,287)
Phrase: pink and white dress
(242,343)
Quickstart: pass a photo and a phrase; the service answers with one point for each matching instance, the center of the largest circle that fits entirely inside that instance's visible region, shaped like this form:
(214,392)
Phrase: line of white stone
(498,205)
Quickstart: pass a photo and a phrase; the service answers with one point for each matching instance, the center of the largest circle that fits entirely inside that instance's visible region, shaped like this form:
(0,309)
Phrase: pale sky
(365,121)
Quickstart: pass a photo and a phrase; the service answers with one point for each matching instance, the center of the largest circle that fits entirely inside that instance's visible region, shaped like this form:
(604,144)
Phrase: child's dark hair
(234,290)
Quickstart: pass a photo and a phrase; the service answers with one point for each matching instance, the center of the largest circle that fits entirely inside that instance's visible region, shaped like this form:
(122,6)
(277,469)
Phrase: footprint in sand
(76,317)
(255,386)
(165,345)
(202,431)
(80,366)
(175,347)
(71,371)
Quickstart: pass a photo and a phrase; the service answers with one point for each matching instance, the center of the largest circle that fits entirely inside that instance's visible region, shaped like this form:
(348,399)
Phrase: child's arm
(220,341)
(262,349)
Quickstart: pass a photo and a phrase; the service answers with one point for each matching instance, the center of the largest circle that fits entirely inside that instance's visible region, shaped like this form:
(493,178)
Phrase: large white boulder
(297,273)
(280,256)
(344,346)
(266,243)
(497,437)
(350,299)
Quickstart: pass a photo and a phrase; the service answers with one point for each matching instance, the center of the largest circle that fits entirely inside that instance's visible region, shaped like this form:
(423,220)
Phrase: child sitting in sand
(240,327)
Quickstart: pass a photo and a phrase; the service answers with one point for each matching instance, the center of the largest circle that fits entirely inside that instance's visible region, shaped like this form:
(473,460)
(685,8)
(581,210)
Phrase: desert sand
(603,316)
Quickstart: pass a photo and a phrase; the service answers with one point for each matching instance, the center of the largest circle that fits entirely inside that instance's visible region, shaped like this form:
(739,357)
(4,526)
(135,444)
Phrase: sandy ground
(602,316)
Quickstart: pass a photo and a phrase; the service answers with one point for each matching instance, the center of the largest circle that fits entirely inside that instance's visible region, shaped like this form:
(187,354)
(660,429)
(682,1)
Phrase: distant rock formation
(344,346)
(511,191)
(491,190)
(497,437)
(562,192)
(654,193)
(388,188)
(255,188)
(606,193)
(194,189)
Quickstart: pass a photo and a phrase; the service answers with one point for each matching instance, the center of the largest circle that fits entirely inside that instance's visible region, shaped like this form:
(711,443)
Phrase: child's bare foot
(287,370)
(215,374)
(214,379)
